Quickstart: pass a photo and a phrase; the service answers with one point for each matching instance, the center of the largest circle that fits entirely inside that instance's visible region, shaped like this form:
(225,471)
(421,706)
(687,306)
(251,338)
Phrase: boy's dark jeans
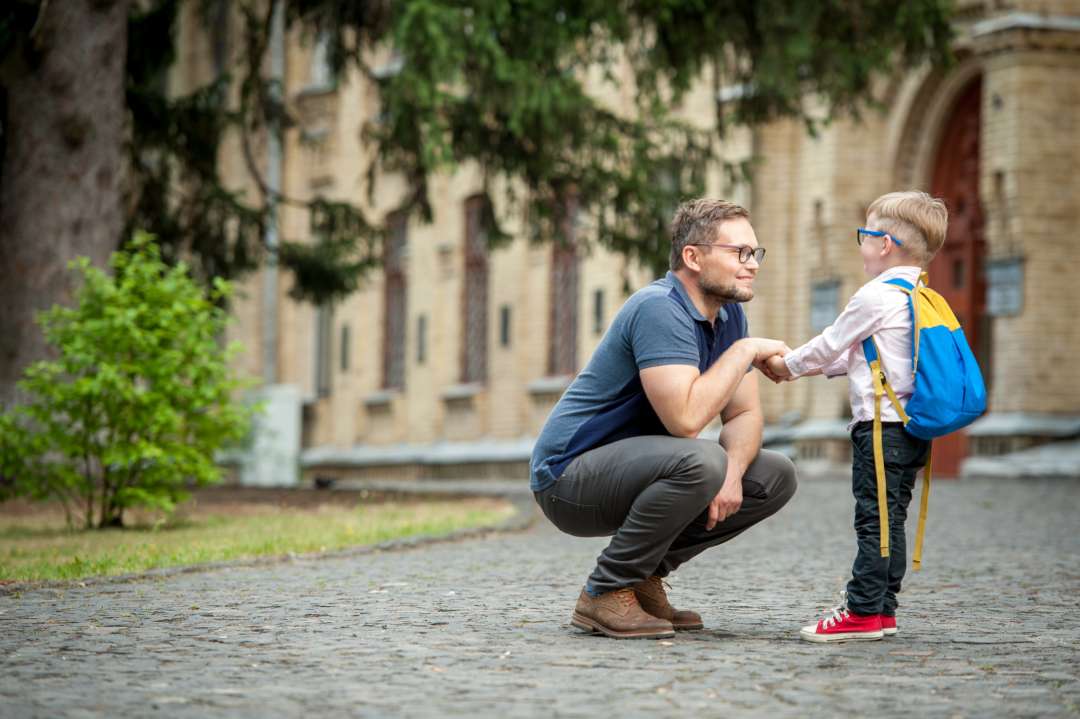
(875,580)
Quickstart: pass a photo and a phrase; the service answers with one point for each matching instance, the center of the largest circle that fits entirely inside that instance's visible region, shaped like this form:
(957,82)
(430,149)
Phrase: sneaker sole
(588,625)
(890,632)
(845,637)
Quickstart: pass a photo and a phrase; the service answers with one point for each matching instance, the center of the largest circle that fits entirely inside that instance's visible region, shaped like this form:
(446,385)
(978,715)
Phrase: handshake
(769,358)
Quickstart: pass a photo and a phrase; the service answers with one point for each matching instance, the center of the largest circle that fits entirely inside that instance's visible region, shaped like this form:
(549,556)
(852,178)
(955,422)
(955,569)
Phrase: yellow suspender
(879,457)
(916,558)
(881,387)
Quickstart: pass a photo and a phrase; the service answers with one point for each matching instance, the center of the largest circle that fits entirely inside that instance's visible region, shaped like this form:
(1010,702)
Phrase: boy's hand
(765,350)
(776,369)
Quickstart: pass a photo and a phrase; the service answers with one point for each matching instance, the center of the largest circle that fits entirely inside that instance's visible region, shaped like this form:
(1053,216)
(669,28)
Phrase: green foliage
(138,399)
(508,85)
(178,193)
(511,85)
(345,248)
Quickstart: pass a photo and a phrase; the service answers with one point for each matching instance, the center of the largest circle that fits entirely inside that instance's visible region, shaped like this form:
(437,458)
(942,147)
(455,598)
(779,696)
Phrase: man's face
(722,275)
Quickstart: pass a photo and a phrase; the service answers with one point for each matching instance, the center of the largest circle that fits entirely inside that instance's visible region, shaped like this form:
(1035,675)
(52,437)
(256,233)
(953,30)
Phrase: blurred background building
(447,361)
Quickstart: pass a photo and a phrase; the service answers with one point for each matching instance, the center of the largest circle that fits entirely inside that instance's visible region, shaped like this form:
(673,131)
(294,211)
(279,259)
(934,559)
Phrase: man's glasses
(862,233)
(745,251)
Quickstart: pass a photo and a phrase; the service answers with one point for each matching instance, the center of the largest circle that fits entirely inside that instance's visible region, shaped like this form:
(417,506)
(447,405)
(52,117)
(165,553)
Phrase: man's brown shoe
(653,599)
(617,614)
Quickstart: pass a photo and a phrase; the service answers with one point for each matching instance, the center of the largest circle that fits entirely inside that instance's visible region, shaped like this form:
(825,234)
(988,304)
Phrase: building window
(598,312)
(394,301)
(562,350)
(824,304)
(504,326)
(421,339)
(344,348)
(474,305)
(324,319)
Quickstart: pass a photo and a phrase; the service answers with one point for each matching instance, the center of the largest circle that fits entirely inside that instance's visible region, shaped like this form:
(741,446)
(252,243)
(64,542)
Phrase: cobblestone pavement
(479,628)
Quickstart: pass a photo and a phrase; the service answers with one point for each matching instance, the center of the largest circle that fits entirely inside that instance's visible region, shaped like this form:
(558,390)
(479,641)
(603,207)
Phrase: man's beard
(725,293)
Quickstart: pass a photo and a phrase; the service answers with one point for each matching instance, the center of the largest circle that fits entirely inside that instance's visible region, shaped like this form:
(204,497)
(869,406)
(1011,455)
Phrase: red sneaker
(844,626)
(888,625)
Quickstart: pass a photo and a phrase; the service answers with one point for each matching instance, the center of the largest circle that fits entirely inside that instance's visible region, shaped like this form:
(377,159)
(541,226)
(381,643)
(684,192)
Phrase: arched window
(474,304)
(562,349)
(395,294)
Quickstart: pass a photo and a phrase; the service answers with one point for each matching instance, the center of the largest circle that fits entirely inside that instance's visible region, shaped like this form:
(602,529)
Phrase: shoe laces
(658,583)
(625,596)
(838,613)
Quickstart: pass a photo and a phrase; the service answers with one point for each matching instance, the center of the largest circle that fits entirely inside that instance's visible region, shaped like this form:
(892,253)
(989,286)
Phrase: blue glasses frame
(873,233)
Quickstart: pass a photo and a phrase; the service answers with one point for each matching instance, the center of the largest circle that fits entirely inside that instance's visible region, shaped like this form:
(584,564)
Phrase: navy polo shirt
(658,325)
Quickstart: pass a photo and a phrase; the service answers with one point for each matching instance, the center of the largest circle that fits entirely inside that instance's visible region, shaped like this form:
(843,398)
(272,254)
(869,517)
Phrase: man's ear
(691,259)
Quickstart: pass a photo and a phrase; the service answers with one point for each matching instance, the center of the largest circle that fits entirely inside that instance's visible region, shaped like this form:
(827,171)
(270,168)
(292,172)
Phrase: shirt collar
(907,272)
(689,304)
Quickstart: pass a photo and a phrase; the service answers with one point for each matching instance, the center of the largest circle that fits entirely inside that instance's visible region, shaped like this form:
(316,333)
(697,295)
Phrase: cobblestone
(479,628)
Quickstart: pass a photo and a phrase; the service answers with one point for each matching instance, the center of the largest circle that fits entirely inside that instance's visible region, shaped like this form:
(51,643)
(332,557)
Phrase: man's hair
(696,221)
(915,218)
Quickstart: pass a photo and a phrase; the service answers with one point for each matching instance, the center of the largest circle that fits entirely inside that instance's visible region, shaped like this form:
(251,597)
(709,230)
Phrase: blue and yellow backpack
(949,391)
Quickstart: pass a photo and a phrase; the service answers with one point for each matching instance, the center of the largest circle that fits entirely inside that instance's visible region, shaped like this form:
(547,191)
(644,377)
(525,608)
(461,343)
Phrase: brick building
(446,363)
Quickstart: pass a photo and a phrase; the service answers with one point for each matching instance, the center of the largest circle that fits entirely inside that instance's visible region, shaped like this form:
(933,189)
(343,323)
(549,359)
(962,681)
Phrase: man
(619,456)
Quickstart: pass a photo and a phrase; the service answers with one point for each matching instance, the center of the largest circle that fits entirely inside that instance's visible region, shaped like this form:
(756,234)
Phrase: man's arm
(686,400)
(741,438)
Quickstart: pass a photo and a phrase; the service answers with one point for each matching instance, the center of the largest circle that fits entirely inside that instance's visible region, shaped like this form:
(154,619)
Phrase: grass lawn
(215,526)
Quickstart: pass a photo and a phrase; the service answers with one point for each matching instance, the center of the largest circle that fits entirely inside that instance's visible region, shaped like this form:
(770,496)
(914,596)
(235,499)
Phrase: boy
(904,230)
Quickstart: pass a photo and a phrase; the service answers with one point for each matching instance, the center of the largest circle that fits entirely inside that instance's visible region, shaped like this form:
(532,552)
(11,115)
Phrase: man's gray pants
(651,495)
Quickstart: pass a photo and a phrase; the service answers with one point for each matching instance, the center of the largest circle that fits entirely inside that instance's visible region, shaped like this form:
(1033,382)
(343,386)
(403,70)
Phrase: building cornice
(1025,21)
(1025,31)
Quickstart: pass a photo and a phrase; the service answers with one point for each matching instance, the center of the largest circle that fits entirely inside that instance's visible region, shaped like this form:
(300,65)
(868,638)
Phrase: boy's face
(875,251)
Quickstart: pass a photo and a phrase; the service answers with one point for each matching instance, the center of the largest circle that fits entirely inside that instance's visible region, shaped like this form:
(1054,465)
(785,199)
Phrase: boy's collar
(900,271)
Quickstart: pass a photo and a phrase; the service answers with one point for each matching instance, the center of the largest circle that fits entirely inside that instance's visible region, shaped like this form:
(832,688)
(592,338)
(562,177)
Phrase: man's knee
(780,475)
(704,465)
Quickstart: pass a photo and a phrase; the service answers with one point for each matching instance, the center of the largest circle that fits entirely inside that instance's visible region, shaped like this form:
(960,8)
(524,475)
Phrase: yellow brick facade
(808,195)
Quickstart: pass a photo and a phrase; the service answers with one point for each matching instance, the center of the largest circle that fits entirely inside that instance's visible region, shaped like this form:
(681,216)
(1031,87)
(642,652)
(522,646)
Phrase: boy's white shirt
(877,309)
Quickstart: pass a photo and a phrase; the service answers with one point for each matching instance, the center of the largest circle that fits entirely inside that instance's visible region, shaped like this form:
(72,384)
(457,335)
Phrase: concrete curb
(523,518)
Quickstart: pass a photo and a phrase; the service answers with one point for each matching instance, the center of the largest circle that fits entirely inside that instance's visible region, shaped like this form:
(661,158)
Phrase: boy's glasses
(745,251)
(862,233)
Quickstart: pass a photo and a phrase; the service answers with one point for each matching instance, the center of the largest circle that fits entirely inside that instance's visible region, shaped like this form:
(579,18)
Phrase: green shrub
(137,402)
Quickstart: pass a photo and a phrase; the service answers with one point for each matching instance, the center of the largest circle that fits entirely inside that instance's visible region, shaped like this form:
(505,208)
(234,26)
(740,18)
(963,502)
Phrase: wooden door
(957,270)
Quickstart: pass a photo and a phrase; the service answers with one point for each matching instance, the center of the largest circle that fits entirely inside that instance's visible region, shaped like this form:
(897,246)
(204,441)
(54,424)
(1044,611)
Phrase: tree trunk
(63,159)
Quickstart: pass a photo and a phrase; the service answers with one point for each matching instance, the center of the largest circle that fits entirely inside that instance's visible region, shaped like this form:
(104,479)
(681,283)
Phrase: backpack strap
(879,461)
(916,558)
(882,387)
(916,321)
(916,326)
(873,358)
(876,373)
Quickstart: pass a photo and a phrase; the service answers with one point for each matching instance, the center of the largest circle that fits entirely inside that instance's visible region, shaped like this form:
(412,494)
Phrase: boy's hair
(696,221)
(916,219)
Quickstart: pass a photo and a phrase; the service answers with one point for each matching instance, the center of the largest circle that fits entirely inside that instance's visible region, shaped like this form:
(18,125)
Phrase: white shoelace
(838,613)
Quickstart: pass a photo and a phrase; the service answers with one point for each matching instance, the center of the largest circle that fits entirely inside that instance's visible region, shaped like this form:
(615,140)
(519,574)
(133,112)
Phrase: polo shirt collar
(689,304)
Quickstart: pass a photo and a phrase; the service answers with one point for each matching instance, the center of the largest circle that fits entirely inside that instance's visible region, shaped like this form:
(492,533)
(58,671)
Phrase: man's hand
(765,348)
(725,503)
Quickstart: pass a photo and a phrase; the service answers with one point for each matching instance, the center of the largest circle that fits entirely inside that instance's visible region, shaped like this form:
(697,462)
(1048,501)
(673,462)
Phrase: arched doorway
(957,271)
